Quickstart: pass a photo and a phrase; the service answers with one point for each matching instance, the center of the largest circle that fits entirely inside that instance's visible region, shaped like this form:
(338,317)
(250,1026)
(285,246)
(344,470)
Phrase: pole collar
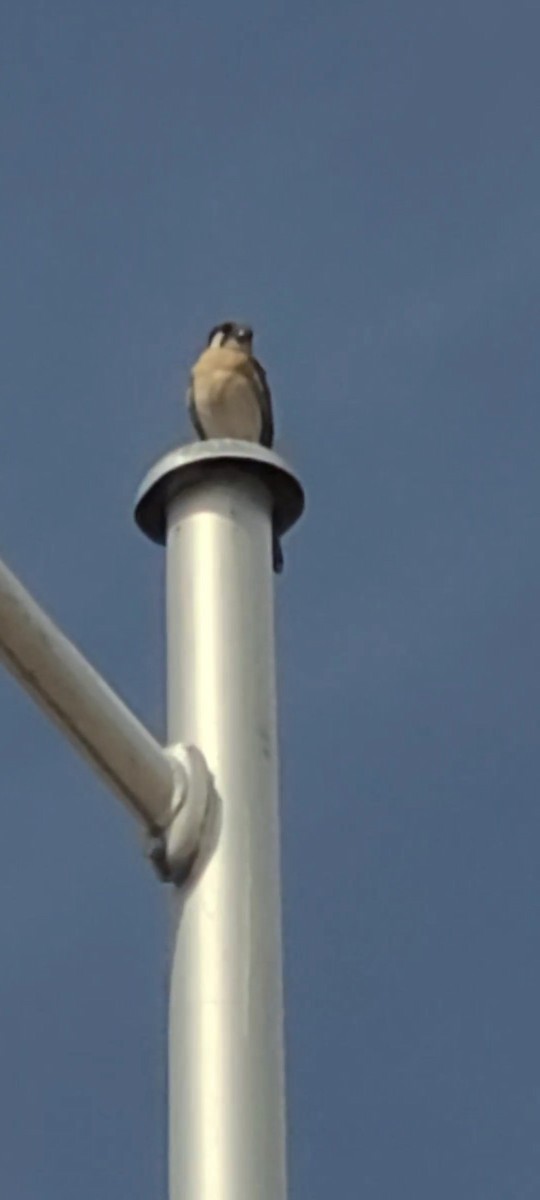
(175,849)
(198,461)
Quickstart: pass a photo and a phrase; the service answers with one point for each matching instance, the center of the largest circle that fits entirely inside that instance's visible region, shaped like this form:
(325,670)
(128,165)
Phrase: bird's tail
(277,554)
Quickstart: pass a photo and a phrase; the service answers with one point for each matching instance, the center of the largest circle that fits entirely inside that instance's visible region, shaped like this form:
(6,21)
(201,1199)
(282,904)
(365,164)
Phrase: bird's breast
(227,405)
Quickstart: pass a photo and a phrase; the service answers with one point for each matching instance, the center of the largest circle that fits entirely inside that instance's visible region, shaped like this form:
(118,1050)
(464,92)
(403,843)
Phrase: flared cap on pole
(181,468)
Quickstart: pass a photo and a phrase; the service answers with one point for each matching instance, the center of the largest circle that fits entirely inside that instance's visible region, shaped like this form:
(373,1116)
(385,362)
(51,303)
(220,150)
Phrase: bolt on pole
(213,505)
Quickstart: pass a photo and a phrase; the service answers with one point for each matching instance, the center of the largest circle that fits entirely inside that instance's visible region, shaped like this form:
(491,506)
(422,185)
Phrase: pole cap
(196,462)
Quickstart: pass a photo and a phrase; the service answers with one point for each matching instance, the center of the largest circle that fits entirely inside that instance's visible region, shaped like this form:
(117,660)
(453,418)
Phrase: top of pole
(198,461)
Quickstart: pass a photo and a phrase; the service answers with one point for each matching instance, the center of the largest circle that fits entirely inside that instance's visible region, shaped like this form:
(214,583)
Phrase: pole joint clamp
(175,848)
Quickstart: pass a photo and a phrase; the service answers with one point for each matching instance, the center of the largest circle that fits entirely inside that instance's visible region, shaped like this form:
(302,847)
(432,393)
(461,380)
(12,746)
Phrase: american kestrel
(228,394)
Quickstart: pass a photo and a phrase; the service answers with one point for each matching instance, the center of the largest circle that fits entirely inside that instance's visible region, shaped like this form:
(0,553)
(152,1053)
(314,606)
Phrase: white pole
(226,1081)
(216,505)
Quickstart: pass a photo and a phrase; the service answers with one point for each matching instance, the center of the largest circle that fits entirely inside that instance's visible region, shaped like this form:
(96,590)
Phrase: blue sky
(362,182)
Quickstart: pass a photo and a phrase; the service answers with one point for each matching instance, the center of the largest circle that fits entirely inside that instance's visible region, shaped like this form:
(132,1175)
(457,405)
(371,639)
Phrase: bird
(228,394)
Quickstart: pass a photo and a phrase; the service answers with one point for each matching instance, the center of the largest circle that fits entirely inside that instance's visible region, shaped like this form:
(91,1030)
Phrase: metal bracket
(174,850)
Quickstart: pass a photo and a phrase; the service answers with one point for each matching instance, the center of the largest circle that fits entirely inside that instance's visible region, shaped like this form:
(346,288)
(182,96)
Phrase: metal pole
(77,699)
(227,1124)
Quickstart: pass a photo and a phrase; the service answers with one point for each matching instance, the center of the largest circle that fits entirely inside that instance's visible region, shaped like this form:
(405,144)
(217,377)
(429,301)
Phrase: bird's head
(232,333)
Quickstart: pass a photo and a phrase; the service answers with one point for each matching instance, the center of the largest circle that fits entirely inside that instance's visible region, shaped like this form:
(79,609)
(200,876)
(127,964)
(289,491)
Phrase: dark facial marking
(226,329)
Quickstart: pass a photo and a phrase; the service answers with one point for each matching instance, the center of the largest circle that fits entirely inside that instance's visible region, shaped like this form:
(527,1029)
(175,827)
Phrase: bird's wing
(265,402)
(192,409)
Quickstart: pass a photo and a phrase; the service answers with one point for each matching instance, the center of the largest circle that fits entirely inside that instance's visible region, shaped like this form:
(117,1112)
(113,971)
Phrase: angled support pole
(167,790)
